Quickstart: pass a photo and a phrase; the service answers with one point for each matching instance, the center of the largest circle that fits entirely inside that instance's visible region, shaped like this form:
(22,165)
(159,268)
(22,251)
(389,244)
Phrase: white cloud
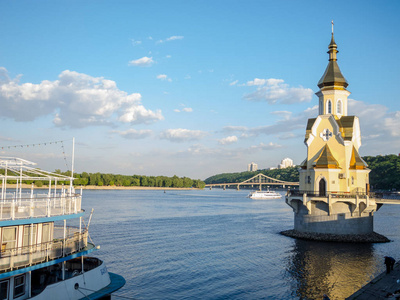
(185,109)
(284,114)
(228,140)
(286,125)
(275,90)
(135,42)
(138,114)
(174,37)
(392,123)
(134,134)
(182,135)
(263,147)
(171,38)
(234,82)
(164,77)
(142,62)
(75,100)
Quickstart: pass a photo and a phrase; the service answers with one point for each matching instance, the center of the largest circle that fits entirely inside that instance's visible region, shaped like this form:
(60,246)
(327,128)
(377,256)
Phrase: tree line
(384,175)
(100,179)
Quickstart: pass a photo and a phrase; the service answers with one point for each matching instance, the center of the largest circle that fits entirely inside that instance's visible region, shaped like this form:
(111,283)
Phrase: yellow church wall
(334,95)
(358,179)
(335,143)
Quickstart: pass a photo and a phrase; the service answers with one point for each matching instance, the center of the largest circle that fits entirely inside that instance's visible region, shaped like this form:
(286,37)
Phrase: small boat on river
(261,195)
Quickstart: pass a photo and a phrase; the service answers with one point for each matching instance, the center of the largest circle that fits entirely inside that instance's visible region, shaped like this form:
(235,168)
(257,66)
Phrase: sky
(188,88)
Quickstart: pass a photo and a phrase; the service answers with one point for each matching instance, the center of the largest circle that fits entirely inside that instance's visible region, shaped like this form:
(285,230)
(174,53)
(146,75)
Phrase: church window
(339,107)
(329,107)
(352,180)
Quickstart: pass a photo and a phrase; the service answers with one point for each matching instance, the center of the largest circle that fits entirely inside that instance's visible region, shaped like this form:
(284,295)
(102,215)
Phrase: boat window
(9,238)
(19,286)
(4,290)
(29,235)
(46,233)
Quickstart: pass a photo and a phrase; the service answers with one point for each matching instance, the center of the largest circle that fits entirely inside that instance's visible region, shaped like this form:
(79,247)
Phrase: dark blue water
(221,245)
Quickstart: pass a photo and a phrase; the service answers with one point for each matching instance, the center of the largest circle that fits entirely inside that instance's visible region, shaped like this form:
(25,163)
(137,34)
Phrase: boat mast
(72,164)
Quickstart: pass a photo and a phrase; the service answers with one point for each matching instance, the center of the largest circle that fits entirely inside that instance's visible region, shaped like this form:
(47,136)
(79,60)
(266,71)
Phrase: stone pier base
(372,237)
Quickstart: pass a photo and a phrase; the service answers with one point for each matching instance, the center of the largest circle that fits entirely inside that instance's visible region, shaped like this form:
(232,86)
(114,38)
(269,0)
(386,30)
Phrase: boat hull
(82,286)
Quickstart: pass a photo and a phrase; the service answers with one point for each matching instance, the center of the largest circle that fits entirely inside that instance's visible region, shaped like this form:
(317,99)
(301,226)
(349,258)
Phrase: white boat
(264,195)
(43,257)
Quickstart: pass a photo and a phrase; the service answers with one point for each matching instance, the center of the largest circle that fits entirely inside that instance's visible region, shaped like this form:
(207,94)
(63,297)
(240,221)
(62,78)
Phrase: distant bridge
(258,180)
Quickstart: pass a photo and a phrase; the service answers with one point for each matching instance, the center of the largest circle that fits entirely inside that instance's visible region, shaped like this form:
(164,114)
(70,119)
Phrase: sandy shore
(93,187)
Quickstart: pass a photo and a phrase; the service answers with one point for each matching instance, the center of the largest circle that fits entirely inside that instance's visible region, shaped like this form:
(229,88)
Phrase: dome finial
(332,27)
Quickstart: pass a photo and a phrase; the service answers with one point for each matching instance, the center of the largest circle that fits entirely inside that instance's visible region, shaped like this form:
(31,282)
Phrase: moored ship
(264,195)
(42,255)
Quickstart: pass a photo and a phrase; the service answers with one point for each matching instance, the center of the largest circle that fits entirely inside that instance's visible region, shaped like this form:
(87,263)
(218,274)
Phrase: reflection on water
(335,269)
(221,245)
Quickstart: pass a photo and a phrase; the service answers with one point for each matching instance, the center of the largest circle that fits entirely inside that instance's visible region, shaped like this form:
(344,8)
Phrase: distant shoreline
(112,187)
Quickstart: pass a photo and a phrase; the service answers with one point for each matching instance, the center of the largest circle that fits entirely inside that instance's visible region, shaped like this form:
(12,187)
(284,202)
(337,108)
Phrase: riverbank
(94,187)
(381,287)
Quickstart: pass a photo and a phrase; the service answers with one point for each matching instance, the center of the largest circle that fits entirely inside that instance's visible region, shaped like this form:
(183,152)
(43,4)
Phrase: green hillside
(385,173)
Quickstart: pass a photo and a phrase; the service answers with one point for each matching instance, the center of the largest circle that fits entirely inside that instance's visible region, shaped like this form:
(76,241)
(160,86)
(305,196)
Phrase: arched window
(339,107)
(329,106)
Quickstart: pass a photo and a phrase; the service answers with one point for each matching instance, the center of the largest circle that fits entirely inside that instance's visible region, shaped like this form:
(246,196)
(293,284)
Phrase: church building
(333,163)
(333,196)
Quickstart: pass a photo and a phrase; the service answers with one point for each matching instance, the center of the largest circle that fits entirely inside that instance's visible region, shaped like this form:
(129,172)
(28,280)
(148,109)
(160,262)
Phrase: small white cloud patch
(134,134)
(164,77)
(228,140)
(142,62)
(275,90)
(182,135)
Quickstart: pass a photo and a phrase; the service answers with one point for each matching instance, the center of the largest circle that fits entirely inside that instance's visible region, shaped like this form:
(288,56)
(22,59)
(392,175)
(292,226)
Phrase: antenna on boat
(90,219)
(72,164)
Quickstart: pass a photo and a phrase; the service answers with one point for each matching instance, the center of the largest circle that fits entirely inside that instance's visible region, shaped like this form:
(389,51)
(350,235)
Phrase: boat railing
(13,206)
(15,258)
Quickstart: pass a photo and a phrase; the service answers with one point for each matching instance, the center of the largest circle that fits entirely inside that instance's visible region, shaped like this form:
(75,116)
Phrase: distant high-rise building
(286,162)
(252,167)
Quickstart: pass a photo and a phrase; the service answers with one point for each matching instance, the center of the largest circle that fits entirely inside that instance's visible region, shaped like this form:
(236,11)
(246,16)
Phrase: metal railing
(20,257)
(333,194)
(362,195)
(13,206)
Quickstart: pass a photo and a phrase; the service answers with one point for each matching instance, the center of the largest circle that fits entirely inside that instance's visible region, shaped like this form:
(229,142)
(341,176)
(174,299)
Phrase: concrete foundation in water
(339,218)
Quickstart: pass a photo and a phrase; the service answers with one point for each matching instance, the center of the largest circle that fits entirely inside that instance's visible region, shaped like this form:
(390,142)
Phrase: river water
(216,244)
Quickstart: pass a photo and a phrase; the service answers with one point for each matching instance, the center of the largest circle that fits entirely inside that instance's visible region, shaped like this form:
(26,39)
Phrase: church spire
(332,76)
(333,93)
